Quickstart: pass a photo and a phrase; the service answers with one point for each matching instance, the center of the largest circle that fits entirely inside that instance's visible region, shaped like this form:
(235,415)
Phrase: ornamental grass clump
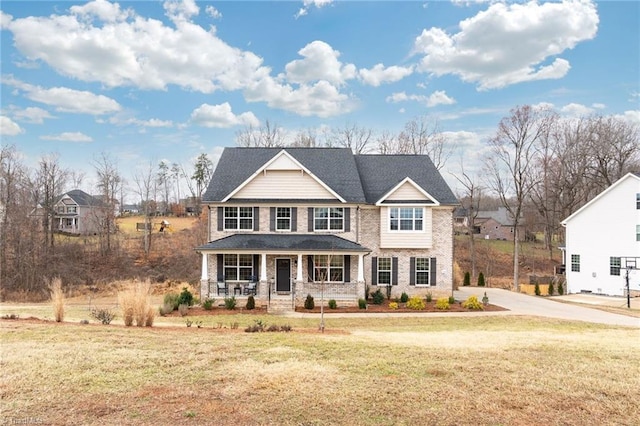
(57,299)
(442,303)
(416,303)
(135,304)
(472,303)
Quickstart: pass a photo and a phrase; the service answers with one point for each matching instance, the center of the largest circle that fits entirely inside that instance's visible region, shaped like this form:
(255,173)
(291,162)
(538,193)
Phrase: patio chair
(252,287)
(222,287)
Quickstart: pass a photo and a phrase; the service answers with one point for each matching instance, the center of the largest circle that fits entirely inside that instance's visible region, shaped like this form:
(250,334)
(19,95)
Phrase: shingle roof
(381,173)
(277,242)
(81,198)
(356,178)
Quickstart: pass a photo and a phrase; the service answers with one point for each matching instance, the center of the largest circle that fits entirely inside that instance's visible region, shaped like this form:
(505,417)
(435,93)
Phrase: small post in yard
(629,264)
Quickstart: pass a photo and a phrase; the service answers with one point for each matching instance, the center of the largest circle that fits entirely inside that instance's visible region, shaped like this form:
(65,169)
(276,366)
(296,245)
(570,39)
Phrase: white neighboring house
(602,237)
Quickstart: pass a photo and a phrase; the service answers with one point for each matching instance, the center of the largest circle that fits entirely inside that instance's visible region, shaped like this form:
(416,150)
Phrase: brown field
(127,224)
(391,371)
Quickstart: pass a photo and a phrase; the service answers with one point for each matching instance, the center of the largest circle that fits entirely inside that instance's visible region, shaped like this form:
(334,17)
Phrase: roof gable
(630,175)
(407,191)
(78,197)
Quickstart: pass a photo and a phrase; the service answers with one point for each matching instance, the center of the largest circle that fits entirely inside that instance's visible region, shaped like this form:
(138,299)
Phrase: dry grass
(57,299)
(445,371)
(135,303)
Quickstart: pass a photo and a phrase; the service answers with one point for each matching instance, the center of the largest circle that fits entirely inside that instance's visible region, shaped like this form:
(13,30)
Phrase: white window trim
(575,263)
(237,266)
(237,218)
(390,270)
(328,219)
(406,231)
(327,268)
(282,217)
(427,271)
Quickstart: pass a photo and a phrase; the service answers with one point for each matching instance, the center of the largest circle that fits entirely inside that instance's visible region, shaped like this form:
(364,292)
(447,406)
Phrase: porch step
(280,305)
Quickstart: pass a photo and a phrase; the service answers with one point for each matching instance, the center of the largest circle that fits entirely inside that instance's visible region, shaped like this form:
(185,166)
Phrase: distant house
(290,222)
(497,225)
(77,212)
(603,239)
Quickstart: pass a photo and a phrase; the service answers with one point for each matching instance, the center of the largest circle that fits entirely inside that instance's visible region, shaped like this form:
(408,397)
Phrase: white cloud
(320,63)
(576,110)
(8,127)
(509,43)
(32,115)
(308,4)
(153,122)
(632,117)
(379,74)
(598,106)
(439,97)
(213,12)
(221,116)
(101,9)
(68,137)
(65,99)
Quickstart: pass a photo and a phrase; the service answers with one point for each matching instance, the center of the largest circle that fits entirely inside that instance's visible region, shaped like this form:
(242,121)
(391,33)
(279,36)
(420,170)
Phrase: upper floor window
(72,209)
(328,219)
(328,268)
(406,218)
(638,201)
(60,209)
(637,232)
(614,265)
(238,218)
(283,218)
(575,263)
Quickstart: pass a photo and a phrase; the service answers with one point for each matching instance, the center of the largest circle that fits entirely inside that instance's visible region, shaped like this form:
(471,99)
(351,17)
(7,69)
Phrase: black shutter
(374,271)
(256,218)
(220,267)
(220,218)
(256,266)
(347,219)
(310,268)
(294,219)
(272,219)
(310,217)
(347,269)
(394,271)
(432,272)
(412,271)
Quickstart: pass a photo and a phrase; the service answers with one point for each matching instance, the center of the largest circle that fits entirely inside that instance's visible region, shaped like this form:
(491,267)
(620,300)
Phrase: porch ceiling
(283,242)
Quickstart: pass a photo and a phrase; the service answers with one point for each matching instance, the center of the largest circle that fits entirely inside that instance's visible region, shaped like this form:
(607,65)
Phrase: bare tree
(386,143)
(109,183)
(470,200)
(50,182)
(145,187)
(163,179)
(358,139)
(307,138)
(513,155)
(176,171)
(267,135)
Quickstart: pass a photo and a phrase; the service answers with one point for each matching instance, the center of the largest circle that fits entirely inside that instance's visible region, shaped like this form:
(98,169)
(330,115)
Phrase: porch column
(299,269)
(205,267)
(263,268)
(361,268)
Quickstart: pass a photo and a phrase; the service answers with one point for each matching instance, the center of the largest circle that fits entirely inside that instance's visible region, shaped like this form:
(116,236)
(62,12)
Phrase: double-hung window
(283,218)
(72,209)
(238,218)
(328,219)
(384,271)
(406,218)
(614,265)
(422,271)
(328,268)
(575,263)
(238,267)
(638,201)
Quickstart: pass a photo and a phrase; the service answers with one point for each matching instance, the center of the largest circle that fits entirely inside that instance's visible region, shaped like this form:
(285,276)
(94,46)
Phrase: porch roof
(283,242)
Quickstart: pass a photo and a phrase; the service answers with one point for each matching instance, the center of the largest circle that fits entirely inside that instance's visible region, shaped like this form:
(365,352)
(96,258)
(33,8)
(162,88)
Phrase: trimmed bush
(429,297)
(185,298)
(333,304)
(485,299)
(393,305)
(472,303)
(416,303)
(536,289)
(207,305)
(362,304)
(467,279)
(560,288)
(230,303)
(551,289)
(251,303)
(183,309)
(481,280)
(442,304)
(171,299)
(377,297)
(452,300)
(309,303)
(404,297)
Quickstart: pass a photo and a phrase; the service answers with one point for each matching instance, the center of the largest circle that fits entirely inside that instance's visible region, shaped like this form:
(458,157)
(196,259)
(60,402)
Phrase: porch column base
(204,289)
(360,289)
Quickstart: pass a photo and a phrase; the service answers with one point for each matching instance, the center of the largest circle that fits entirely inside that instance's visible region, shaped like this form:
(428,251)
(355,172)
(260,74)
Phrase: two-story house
(326,222)
(603,240)
(77,212)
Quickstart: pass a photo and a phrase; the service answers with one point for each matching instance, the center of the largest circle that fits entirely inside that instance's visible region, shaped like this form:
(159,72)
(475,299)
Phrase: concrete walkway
(523,304)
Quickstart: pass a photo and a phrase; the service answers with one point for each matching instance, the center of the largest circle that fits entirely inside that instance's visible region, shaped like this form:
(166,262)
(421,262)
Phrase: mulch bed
(384,308)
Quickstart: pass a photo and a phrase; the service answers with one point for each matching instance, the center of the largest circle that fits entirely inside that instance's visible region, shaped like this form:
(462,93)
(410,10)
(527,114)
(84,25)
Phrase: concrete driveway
(522,304)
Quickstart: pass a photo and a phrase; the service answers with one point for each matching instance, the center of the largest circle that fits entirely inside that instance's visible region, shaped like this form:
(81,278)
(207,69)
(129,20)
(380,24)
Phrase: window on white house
(575,263)
(283,219)
(384,271)
(238,267)
(328,219)
(328,268)
(614,265)
(638,201)
(422,271)
(406,218)
(637,232)
(238,218)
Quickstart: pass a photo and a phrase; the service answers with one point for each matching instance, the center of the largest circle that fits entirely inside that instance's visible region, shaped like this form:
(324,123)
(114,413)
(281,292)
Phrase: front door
(283,274)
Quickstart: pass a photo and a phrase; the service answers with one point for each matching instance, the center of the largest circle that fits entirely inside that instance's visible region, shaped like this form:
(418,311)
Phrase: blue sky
(167,80)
